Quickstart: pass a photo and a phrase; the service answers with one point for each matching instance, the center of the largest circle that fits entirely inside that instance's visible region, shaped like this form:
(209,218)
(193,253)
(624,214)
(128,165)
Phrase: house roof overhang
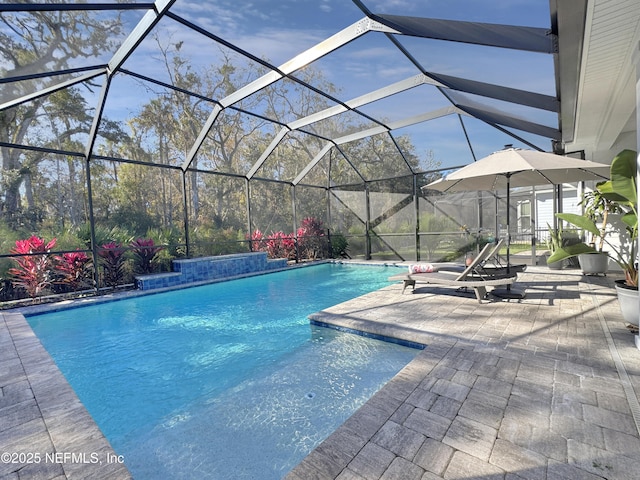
(596,74)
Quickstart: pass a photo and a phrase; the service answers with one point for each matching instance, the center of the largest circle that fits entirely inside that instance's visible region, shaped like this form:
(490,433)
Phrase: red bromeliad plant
(34,270)
(281,245)
(257,241)
(74,269)
(311,238)
(112,260)
(144,251)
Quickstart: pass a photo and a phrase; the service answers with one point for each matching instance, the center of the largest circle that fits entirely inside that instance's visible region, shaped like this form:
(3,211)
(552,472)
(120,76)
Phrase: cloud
(386,6)
(279,45)
(280,31)
(325,6)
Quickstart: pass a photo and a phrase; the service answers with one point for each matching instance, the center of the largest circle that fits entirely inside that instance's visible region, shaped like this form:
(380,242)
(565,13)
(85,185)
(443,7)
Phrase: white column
(636,61)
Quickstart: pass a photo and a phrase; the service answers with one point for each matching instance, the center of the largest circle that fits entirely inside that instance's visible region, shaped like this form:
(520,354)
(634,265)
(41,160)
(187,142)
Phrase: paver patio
(543,388)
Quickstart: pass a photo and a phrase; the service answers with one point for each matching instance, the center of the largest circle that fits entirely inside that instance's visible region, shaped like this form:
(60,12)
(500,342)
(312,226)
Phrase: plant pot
(594,263)
(559,265)
(629,302)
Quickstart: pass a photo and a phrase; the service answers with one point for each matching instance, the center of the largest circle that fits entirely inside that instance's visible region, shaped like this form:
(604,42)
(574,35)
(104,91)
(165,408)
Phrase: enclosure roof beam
(425,117)
(539,40)
(498,92)
(507,94)
(305,58)
(531,39)
(166,85)
(370,97)
(95,125)
(141,30)
(60,7)
(364,180)
(201,136)
(261,61)
(312,163)
(371,132)
(319,157)
(323,48)
(401,153)
(494,118)
(67,71)
(360,135)
(272,146)
(31,148)
(374,131)
(51,89)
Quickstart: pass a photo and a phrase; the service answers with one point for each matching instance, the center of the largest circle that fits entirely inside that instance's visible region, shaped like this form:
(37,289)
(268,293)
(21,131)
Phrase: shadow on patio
(545,387)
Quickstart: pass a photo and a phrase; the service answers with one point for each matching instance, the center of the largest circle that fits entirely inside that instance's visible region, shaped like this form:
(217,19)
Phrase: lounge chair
(489,264)
(486,255)
(493,265)
(470,277)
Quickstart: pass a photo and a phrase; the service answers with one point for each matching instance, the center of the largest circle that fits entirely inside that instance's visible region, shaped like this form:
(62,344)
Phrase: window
(524,216)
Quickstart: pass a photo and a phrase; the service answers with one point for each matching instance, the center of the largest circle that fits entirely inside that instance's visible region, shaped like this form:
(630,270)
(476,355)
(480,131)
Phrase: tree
(434,226)
(35,42)
(235,141)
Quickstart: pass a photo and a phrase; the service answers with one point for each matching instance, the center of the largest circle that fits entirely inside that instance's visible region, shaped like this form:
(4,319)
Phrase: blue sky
(279,30)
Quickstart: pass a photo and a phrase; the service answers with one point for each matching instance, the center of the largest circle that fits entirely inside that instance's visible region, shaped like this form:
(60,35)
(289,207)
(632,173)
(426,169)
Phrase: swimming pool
(227,380)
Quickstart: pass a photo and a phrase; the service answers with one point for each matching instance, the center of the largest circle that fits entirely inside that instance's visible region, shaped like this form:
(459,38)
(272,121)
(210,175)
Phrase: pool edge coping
(55,396)
(72,430)
(44,308)
(76,442)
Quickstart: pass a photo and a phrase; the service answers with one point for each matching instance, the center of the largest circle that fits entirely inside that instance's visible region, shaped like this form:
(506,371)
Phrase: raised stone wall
(194,270)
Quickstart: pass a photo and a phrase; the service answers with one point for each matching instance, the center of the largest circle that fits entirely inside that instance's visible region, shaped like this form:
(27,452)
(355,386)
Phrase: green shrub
(339,246)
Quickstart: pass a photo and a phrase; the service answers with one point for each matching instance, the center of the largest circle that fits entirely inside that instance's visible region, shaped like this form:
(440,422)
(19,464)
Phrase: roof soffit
(602,94)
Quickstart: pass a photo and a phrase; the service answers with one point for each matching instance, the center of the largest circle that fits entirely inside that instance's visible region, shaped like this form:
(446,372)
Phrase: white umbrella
(514,167)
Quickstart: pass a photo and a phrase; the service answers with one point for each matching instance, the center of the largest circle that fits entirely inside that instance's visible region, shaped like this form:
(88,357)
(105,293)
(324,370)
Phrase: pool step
(194,270)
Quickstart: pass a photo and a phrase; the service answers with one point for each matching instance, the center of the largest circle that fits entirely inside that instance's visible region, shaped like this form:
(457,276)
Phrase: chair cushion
(421,268)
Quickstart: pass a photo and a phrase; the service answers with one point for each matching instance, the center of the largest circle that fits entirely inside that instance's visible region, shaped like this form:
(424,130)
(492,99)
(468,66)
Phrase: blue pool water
(227,380)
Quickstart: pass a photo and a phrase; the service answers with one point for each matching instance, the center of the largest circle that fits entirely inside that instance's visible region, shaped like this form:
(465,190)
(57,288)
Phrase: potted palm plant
(554,243)
(620,191)
(597,207)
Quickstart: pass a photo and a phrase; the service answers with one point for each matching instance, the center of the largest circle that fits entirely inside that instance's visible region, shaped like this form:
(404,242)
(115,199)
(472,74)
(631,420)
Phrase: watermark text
(88,458)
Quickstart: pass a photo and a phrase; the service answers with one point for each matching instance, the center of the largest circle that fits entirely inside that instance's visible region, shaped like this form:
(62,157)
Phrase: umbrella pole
(508,292)
(508,224)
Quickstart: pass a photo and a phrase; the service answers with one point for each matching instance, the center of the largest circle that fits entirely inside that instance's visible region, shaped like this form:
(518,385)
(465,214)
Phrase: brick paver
(542,388)
(508,389)
(45,432)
